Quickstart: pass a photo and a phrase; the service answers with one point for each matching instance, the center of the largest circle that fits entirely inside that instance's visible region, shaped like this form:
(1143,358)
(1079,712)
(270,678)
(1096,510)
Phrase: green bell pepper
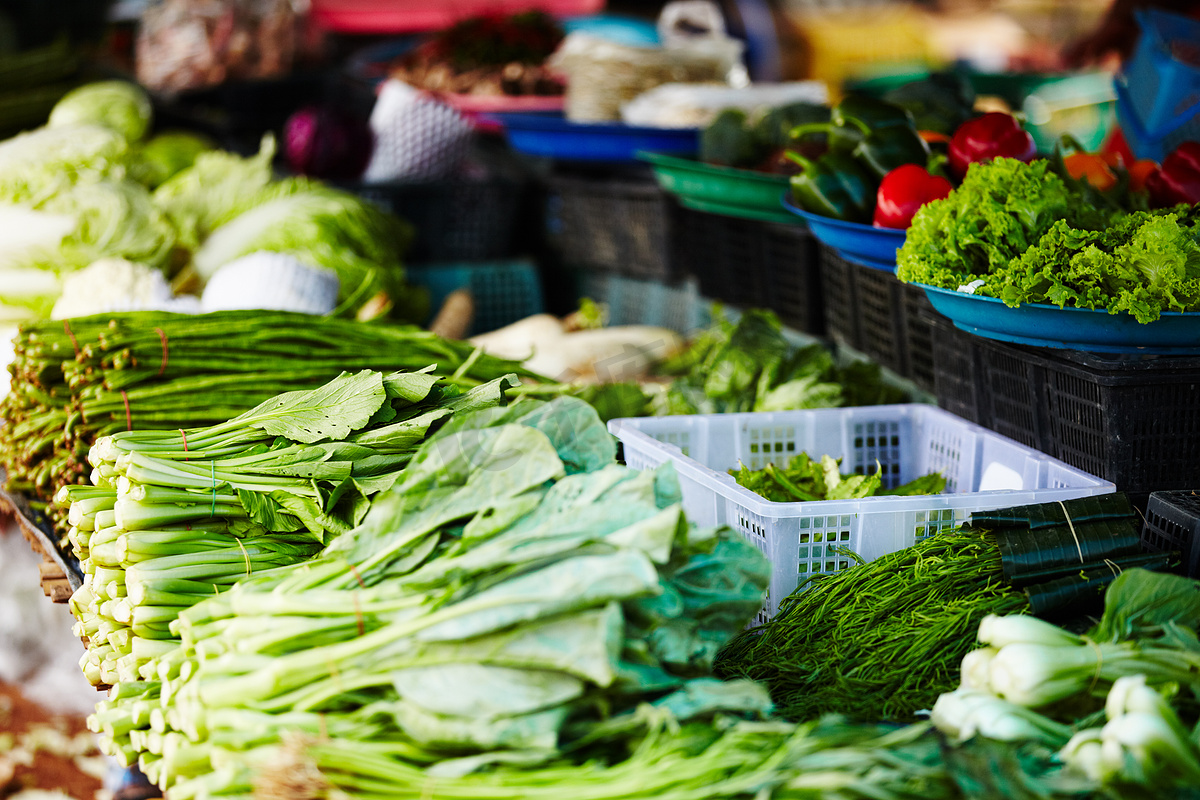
(855,118)
(836,185)
(884,149)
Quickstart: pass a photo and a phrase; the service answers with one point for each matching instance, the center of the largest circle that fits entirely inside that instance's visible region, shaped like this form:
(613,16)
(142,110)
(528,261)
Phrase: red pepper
(904,190)
(1178,181)
(993,135)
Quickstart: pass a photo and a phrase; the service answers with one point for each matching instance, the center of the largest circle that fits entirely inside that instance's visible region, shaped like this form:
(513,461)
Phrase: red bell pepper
(1178,181)
(904,190)
(992,135)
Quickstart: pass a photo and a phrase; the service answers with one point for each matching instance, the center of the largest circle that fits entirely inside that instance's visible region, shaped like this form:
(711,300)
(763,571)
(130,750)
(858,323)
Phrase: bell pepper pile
(866,138)
(879,168)
(1178,180)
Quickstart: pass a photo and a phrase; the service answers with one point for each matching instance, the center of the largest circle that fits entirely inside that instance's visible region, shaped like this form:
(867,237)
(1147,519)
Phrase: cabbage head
(119,105)
(42,163)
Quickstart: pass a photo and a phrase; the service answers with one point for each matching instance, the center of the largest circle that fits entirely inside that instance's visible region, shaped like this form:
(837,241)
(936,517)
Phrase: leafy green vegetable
(122,106)
(750,366)
(35,166)
(1002,208)
(319,226)
(79,225)
(879,640)
(805,479)
(213,190)
(494,607)
(1031,239)
(166,155)
(727,141)
(260,491)
(941,102)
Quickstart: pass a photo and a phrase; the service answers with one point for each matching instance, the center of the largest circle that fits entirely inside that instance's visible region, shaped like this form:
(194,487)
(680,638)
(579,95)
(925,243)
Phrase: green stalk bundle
(879,640)
(76,381)
(177,516)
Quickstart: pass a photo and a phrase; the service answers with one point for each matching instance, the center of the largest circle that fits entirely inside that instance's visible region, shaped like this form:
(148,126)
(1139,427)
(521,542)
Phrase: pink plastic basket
(410,16)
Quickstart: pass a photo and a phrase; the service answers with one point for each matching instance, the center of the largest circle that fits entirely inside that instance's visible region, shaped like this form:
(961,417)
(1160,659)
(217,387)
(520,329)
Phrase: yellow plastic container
(863,43)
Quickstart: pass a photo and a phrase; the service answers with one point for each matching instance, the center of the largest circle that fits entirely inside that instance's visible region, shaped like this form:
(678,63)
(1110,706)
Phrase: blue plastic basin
(866,244)
(553,136)
(1067,328)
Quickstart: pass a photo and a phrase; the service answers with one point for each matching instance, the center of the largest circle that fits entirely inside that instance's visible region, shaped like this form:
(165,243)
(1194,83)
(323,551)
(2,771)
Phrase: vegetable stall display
(881,640)
(1018,232)
(75,382)
(87,187)
(173,516)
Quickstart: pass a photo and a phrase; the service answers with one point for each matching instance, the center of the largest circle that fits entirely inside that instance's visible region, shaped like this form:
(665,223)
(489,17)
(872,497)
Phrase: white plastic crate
(983,470)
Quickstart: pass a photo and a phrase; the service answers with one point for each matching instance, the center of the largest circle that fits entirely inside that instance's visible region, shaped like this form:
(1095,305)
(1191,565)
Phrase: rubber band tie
(183,433)
(75,344)
(163,366)
(357,577)
(1099,664)
(128,413)
(1074,535)
(245,555)
(359,615)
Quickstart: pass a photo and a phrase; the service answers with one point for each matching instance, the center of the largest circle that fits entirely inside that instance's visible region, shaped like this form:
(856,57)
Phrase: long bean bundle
(880,640)
(76,381)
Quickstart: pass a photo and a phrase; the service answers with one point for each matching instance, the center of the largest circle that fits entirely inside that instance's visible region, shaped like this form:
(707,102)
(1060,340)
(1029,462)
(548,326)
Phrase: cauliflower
(113,284)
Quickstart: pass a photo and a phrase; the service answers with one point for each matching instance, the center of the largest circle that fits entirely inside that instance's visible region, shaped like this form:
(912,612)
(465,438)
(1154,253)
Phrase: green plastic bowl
(731,192)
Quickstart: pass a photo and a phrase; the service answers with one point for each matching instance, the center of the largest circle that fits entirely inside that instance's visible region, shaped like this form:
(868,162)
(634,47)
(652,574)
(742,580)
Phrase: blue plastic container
(864,244)
(553,136)
(503,291)
(1067,328)
(1158,97)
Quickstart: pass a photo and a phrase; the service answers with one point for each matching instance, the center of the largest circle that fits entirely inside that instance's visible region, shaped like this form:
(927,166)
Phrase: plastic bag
(417,137)
(192,44)
(686,105)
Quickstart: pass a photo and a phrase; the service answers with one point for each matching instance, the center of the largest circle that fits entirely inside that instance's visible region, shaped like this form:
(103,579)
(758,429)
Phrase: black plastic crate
(839,300)
(611,223)
(455,219)
(1133,420)
(957,371)
(793,276)
(723,256)
(1015,392)
(752,264)
(918,336)
(1173,523)
(881,327)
